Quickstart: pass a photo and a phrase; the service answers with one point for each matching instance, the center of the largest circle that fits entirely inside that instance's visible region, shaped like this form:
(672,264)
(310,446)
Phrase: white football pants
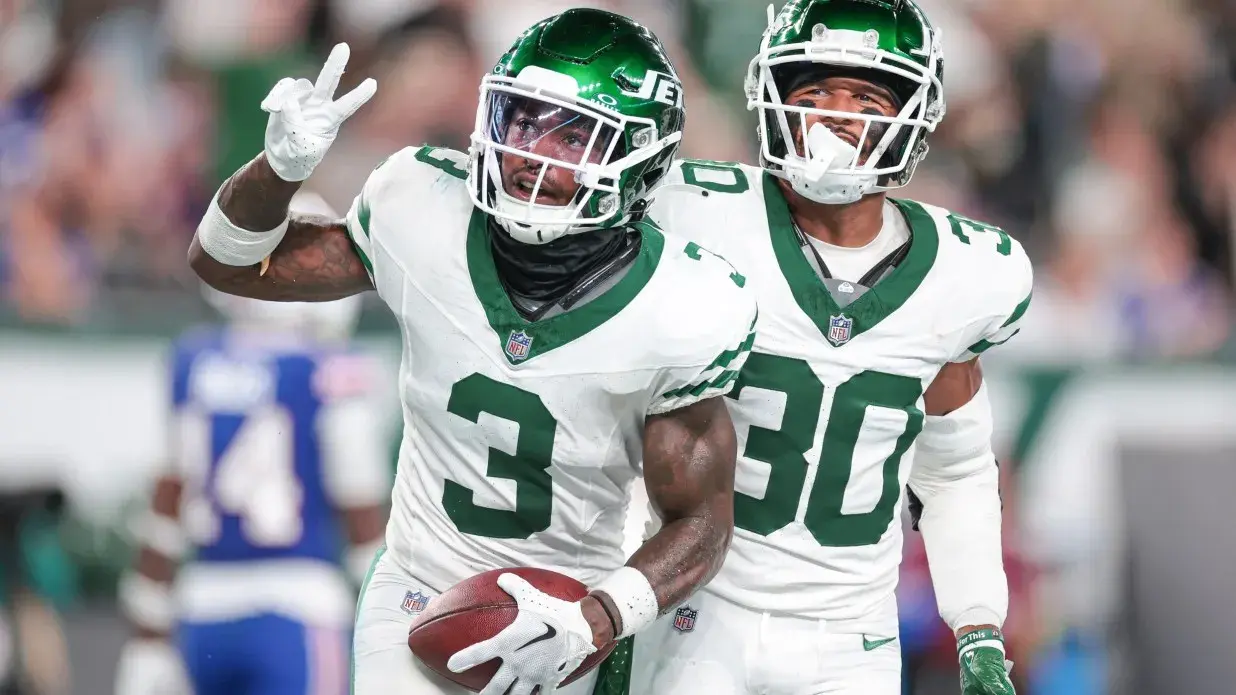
(725,649)
(382,664)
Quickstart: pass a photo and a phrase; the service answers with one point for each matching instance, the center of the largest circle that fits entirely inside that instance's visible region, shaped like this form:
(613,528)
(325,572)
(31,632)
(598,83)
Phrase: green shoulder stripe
(724,359)
(363,215)
(984,345)
(1019,312)
(723,379)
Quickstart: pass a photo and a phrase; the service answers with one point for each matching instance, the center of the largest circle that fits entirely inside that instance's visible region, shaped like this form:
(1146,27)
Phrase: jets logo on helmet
(657,86)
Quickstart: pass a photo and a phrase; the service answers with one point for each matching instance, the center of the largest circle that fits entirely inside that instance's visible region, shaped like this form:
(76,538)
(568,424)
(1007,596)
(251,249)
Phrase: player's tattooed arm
(689,458)
(315,261)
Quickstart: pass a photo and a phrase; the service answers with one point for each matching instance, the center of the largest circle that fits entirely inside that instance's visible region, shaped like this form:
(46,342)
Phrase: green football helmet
(889,42)
(587,91)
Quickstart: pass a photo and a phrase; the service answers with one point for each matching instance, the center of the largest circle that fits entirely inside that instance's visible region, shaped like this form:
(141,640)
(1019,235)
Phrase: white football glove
(548,640)
(305,117)
(151,667)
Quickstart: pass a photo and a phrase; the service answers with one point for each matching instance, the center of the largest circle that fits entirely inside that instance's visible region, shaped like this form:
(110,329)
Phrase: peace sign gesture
(305,117)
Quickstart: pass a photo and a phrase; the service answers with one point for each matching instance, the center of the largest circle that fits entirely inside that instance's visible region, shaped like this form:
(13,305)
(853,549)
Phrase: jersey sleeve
(360,215)
(1009,287)
(725,327)
(350,432)
(696,193)
(408,172)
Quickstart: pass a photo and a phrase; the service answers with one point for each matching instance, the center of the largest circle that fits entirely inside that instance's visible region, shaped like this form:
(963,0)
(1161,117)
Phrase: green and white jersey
(522,439)
(829,404)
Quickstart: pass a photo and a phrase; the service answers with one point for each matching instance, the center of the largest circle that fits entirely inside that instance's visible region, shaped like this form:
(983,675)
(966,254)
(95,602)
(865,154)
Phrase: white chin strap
(824,177)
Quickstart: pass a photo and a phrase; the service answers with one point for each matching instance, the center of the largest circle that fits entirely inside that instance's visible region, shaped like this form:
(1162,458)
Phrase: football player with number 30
(552,338)
(864,377)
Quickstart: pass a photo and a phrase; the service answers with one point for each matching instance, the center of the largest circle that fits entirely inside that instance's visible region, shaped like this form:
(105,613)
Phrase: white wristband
(231,245)
(993,643)
(146,602)
(634,597)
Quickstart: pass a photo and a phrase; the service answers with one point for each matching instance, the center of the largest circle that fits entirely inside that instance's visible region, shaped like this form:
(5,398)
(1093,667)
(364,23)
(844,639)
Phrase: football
(476,609)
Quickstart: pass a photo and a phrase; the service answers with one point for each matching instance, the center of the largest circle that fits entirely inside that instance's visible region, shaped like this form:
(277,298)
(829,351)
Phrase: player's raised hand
(548,640)
(305,117)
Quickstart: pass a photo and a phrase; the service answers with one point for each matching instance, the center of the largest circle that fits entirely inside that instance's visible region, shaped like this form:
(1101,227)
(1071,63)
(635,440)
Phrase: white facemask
(819,178)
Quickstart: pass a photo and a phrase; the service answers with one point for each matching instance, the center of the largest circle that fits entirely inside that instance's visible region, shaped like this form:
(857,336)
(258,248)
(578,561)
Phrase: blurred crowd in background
(1100,133)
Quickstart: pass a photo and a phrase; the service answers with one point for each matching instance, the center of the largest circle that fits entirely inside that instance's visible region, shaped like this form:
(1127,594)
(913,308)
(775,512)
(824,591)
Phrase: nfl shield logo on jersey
(839,328)
(414,602)
(518,345)
(684,619)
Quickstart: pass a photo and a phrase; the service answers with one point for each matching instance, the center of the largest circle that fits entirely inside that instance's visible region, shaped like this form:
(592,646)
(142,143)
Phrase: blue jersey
(248,417)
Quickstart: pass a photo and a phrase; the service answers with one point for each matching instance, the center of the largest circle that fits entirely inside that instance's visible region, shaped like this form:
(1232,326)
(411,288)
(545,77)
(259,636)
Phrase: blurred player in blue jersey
(280,467)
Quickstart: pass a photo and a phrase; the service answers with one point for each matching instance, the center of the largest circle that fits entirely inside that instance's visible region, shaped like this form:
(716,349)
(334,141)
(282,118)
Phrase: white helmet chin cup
(510,209)
(535,234)
(826,176)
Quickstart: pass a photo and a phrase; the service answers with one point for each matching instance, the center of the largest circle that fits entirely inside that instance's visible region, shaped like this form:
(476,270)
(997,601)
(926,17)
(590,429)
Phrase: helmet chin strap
(816,179)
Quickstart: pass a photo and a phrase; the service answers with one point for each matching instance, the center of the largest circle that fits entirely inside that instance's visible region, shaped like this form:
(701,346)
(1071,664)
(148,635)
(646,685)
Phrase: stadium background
(1100,133)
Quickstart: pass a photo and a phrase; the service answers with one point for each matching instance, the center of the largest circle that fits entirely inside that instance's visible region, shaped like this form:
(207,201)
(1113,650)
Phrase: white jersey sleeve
(1006,288)
(408,172)
(356,470)
(726,312)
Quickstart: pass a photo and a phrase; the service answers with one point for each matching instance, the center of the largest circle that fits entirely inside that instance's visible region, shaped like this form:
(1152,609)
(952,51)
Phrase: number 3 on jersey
(529,467)
(785,450)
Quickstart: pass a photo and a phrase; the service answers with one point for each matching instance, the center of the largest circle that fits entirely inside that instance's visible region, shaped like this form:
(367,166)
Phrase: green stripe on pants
(614,674)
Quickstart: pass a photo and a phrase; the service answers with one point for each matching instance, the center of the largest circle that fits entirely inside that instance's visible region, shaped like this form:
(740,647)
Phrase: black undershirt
(547,273)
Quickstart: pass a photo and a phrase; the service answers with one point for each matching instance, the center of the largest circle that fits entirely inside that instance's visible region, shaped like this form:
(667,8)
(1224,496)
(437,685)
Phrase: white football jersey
(522,439)
(830,401)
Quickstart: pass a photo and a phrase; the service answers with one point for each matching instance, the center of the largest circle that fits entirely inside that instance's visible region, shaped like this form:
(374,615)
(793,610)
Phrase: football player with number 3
(552,338)
(864,377)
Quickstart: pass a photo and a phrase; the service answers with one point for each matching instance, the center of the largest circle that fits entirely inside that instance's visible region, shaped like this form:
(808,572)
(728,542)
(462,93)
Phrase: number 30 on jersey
(785,450)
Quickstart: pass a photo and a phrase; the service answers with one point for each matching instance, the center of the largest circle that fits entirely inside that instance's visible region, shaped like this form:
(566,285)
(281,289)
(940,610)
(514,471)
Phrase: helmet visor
(537,148)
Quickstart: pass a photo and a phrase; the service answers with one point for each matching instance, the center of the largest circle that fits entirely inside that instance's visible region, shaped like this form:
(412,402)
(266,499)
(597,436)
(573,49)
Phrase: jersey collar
(836,324)
(522,340)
